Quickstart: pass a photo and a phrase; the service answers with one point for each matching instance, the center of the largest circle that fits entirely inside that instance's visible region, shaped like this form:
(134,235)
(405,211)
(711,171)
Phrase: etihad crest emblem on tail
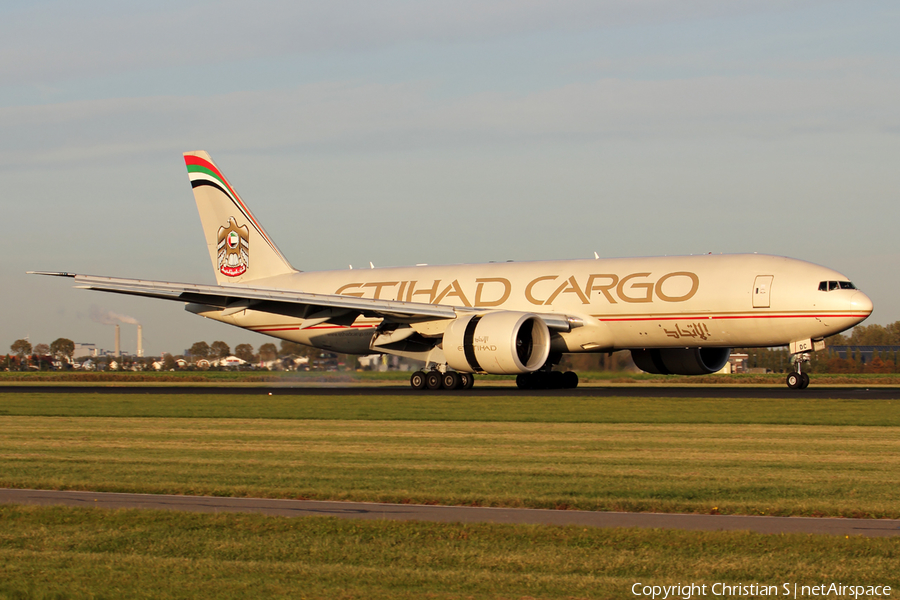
(234,249)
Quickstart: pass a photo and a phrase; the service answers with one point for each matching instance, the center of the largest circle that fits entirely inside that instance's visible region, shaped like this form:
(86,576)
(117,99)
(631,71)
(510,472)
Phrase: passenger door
(762,288)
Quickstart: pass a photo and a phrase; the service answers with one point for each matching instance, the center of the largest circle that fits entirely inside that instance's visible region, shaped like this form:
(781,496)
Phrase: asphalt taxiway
(455,514)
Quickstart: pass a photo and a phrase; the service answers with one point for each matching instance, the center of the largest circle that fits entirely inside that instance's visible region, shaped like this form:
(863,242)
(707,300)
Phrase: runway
(361,389)
(456,514)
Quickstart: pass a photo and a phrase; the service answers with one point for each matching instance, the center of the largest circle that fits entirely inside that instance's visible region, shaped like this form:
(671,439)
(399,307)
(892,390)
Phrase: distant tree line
(266,354)
(869,335)
(40,356)
(60,354)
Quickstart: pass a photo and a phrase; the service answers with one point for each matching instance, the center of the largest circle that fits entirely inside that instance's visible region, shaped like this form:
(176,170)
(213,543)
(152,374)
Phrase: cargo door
(762,288)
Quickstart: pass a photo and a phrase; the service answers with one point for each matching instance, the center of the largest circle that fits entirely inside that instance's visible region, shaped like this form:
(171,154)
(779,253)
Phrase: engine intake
(681,361)
(502,343)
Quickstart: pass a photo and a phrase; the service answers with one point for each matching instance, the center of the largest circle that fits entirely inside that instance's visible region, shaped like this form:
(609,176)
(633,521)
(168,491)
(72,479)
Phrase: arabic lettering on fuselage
(692,330)
(544,290)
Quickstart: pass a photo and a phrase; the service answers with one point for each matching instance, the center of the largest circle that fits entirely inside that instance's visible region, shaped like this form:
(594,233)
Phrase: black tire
(450,380)
(433,380)
(466,380)
(417,380)
(556,380)
(804,381)
(523,381)
(794,380)
(570,380)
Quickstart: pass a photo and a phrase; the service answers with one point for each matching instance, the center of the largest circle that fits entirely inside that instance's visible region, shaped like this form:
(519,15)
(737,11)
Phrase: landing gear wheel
(523,381)
(797,379)
(450,380)
(433,380)
(417,381)
(538,380)
(570,380)
(556,380)
(466,380)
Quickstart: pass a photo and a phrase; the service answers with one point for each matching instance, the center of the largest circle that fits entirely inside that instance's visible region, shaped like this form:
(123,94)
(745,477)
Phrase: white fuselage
(744,300)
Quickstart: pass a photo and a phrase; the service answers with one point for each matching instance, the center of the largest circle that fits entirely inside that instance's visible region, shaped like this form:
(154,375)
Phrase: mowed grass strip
(459,407)
(700,468)
(53,552)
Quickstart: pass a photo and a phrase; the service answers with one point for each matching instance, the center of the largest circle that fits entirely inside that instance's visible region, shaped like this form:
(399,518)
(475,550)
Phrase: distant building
(865,354)
(231,361)
(737,363)
(383,362)
(85,349)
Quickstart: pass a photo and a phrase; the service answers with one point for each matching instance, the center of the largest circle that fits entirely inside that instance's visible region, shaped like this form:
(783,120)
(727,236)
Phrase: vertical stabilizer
(239,247)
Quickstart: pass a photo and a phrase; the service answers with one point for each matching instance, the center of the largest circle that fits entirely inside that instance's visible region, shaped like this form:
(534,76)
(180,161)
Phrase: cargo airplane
(675,314)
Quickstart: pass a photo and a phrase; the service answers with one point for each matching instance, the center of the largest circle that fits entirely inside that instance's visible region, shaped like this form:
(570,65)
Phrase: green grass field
(459,407)
(836,458)
(788,457)
(88,553)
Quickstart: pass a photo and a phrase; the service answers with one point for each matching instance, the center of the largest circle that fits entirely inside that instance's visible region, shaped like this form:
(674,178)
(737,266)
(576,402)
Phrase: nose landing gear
(798,380)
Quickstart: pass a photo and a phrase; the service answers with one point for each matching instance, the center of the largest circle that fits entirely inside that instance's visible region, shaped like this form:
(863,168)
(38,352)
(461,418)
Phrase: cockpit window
(827,286)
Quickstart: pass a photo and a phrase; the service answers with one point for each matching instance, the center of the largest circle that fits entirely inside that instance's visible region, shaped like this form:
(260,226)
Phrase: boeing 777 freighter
(676,314)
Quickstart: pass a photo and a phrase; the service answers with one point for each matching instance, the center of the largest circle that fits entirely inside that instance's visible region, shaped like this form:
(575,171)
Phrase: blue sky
(440,132)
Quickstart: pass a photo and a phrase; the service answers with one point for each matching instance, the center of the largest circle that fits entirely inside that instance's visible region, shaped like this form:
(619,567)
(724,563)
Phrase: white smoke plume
(108,317)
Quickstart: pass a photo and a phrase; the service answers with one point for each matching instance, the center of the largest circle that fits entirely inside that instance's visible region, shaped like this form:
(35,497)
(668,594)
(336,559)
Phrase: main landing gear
(543,379)
(435,380)
(798,380)
(547,380)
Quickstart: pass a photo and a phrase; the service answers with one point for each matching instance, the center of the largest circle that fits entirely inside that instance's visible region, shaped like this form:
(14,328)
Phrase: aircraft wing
(317,308)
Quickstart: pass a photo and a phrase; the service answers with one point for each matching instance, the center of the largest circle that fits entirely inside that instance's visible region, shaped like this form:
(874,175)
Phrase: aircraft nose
(861,302)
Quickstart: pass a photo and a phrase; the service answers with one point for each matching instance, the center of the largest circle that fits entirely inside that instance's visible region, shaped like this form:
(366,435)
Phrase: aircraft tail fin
(240,249)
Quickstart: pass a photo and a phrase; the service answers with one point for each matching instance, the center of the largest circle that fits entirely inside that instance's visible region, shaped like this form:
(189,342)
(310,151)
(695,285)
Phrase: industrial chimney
(140,348)
(118,345)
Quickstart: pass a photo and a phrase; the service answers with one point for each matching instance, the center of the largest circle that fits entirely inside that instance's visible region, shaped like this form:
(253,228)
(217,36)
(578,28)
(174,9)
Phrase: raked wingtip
(51,273)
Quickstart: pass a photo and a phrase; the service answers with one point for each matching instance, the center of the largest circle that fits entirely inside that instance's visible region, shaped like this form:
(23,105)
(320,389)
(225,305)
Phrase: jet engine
(681,361)
(502,342)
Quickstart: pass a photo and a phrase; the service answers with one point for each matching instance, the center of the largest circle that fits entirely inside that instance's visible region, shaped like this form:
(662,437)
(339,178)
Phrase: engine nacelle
(502,343)
(681,361)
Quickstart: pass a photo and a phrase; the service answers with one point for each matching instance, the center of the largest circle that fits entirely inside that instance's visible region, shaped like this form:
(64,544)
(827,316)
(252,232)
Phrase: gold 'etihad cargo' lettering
(636,287)
(544,290)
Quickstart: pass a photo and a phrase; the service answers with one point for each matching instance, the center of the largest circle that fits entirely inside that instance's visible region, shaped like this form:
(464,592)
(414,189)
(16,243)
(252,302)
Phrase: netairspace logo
(751,590)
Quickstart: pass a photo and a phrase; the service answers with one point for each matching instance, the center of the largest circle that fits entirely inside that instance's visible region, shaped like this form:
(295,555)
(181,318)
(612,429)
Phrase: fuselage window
(823,286)
(832,285)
